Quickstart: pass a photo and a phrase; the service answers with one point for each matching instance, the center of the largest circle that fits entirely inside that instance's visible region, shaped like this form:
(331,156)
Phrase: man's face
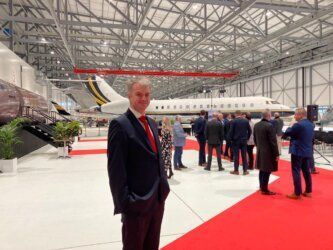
(298,116)
(139,97)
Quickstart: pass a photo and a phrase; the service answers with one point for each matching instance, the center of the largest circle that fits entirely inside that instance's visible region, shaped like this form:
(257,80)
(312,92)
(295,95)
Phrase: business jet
(113,103)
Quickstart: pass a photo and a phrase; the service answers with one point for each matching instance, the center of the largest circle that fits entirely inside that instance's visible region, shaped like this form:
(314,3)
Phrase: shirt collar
(136,113)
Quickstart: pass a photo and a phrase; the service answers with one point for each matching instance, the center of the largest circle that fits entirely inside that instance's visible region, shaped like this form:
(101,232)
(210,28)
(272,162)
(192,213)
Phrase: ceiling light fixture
(52,52)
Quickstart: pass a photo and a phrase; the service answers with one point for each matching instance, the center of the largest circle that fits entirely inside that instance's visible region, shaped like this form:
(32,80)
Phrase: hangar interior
(280,49)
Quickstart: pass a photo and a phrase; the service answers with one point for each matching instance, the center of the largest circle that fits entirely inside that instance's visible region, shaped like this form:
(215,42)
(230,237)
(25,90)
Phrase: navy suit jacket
(136,174)
(301,138)
(240,130)
(199,129)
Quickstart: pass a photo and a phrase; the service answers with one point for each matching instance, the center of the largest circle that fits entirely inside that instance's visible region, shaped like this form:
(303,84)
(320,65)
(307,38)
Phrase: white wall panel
(232,91)
(16,71)
(292,87)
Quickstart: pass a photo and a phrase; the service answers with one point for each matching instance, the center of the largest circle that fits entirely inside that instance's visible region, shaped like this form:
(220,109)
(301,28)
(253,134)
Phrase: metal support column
(11,26)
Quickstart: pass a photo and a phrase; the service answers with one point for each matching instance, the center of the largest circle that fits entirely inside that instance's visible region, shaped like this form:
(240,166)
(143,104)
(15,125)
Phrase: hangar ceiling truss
(251,36)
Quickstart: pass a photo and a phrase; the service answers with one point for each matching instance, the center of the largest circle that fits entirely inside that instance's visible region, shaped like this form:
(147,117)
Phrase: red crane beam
(154,73)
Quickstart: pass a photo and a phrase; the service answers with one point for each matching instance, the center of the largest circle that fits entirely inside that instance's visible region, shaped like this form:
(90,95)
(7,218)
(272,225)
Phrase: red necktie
(143,119)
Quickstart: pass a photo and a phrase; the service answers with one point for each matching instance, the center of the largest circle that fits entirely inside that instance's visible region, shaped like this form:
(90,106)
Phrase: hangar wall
(300,86)
(16,71)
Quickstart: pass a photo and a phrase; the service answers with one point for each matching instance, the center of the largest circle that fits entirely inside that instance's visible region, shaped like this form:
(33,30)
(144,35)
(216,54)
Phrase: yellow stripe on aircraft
(99,101)
(95,91)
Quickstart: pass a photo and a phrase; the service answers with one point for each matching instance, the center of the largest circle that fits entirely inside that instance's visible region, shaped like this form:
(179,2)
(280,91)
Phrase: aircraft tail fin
(101,90)
(61,110)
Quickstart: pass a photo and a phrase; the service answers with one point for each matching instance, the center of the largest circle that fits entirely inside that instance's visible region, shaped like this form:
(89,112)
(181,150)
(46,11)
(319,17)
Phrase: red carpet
(265,222)
(88,152)
(270,222)
(92,140)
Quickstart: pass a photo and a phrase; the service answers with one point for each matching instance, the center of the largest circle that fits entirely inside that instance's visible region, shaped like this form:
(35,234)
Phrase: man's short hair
(238,113)
(202,112)
(139,80)
(276,114)
(248,116)
(301,111)
(266,113)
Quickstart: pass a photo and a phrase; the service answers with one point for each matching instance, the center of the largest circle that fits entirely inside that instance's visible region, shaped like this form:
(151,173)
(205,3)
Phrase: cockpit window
(275,102)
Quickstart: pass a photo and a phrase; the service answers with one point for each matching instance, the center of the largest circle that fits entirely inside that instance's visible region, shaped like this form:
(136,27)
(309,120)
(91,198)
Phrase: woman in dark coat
(267,151)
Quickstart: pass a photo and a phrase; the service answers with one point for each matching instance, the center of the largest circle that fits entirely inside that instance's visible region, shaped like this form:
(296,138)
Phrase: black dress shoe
(182,166)
(177,168)
(221,169)
(268,192)
(208,169)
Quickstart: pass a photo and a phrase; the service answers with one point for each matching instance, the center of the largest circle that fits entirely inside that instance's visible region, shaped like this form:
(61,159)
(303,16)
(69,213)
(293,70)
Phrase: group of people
(241,135)
(137,159)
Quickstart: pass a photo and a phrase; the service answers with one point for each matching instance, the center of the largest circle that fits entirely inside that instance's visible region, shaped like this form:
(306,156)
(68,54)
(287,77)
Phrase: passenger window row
(236,105)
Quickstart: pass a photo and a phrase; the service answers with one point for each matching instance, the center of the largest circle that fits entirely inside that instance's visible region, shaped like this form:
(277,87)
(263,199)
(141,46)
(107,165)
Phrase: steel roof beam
(216,28)
(60,31)
(276,35)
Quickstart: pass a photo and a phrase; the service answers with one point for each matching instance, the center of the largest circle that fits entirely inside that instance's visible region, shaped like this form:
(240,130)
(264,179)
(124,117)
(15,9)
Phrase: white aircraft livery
(113,103)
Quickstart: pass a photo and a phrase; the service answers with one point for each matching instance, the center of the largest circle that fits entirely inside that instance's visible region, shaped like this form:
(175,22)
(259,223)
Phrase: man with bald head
(136,171)
(267,151)
(301,137)
(214,135)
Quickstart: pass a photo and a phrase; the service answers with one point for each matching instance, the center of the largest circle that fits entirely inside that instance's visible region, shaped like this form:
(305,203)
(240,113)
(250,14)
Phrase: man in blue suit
(199,129)
(301,137)
(136,173)
(239,134)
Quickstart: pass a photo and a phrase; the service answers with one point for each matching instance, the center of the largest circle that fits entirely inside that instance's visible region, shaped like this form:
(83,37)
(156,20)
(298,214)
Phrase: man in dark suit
(278,126)
(267,151)
(199,129)
(214,135)
(136,173)
(301,138)
(228,144)
(221,120)
(239,134)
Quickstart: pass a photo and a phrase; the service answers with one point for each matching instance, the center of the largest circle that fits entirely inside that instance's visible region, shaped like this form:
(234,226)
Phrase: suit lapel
(138,127)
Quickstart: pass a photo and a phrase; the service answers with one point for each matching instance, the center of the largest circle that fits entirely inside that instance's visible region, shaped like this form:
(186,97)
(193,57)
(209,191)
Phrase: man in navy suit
(239,134)
(136,173)
(301,137)
(199,127)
